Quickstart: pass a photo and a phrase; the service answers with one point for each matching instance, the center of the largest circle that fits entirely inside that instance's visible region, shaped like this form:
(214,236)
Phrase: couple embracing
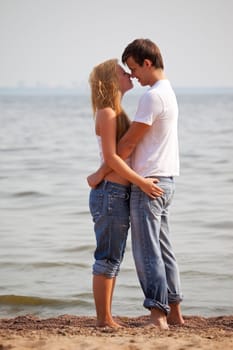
(135,183)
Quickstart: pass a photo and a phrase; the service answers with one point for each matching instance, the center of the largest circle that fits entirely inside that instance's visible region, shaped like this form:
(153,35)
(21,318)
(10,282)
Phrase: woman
(109,201)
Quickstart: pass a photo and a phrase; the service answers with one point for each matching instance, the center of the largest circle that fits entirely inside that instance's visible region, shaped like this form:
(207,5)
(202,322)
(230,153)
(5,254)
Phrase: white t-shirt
(157,154)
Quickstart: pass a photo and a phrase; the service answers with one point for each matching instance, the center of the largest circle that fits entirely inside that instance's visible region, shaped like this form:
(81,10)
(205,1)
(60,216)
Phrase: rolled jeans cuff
(106,268)
(174,298)
(151,304)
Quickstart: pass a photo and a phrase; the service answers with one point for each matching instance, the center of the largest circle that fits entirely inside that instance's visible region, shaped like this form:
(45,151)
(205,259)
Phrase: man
(152,143)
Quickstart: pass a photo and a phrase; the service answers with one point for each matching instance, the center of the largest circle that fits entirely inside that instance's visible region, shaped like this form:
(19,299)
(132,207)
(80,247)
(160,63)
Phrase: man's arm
(132,137)
(125,148)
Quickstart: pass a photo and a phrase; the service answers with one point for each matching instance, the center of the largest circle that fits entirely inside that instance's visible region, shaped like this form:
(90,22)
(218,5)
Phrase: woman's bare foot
(158,319)
(175,316)
(108,323)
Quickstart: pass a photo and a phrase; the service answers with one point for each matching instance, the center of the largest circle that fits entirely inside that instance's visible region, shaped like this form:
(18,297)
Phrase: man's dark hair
(141,49)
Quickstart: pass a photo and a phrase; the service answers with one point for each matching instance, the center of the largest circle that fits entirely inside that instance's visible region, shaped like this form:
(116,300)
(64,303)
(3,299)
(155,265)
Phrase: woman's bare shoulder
(106,112)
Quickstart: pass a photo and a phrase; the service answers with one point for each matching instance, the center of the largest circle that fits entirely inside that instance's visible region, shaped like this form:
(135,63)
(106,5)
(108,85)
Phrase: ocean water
(47,148)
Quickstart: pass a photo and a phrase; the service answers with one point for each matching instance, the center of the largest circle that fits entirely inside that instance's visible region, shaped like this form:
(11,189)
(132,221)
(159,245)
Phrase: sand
(69,332)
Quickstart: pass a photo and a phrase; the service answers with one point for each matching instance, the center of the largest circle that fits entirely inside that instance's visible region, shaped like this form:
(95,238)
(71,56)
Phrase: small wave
(81,212)
(43,264)
(29,194)
(18,149)
(21,300)
(82,248)
(222,224)
(224,236)
(83,295)
(192,273)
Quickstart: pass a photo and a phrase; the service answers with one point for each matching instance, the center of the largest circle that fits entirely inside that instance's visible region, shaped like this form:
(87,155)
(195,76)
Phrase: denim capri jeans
(109,207)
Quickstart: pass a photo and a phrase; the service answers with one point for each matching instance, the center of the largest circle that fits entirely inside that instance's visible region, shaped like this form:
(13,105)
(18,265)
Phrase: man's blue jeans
(155,261)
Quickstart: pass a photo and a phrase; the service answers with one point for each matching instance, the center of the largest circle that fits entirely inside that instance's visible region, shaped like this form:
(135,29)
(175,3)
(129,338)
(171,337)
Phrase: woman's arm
(106,126)
(125,148)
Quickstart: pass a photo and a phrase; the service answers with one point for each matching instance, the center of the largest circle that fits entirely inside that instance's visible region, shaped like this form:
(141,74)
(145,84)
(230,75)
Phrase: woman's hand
(150,188)
(94,179)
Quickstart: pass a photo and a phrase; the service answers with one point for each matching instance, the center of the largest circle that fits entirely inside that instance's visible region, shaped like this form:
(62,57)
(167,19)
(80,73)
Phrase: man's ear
(147,63)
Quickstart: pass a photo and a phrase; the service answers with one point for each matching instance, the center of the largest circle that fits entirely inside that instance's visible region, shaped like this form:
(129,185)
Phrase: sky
(57,42)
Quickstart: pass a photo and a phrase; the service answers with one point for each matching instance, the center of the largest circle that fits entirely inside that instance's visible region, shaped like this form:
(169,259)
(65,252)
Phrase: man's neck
(158,74)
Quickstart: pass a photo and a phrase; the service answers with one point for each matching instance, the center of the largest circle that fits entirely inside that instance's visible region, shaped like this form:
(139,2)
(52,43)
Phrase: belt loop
(105,185)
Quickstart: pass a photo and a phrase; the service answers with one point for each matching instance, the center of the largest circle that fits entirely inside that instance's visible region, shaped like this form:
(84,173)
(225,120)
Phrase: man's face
(125,82)
(137,71)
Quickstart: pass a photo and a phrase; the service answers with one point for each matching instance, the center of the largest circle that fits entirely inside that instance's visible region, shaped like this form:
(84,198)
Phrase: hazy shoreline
(84,90)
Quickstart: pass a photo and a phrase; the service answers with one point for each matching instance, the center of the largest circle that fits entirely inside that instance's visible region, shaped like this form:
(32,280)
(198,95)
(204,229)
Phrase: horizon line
(20,90)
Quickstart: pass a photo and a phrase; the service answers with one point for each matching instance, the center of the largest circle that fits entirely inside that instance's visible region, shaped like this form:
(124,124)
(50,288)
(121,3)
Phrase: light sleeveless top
(100,148)
(99,140)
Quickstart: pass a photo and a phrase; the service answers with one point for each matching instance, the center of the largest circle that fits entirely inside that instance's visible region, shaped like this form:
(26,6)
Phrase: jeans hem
(152,304)
(106,268)
(175,298)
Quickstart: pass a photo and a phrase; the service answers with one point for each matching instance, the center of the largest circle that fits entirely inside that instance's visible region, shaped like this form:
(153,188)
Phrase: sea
(47,149)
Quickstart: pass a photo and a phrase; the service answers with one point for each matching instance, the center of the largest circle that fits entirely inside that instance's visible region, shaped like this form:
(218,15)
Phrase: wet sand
(69,332)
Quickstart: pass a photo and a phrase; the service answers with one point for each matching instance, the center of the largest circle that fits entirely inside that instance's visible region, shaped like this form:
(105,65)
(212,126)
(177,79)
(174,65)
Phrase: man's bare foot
(158,319)
(175,315)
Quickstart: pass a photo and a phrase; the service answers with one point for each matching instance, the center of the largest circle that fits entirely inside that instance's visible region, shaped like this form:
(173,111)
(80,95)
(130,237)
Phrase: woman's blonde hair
(105,92)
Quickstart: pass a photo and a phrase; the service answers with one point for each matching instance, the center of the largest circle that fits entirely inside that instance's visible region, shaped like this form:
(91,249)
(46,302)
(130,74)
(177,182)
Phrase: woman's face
(125,82)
